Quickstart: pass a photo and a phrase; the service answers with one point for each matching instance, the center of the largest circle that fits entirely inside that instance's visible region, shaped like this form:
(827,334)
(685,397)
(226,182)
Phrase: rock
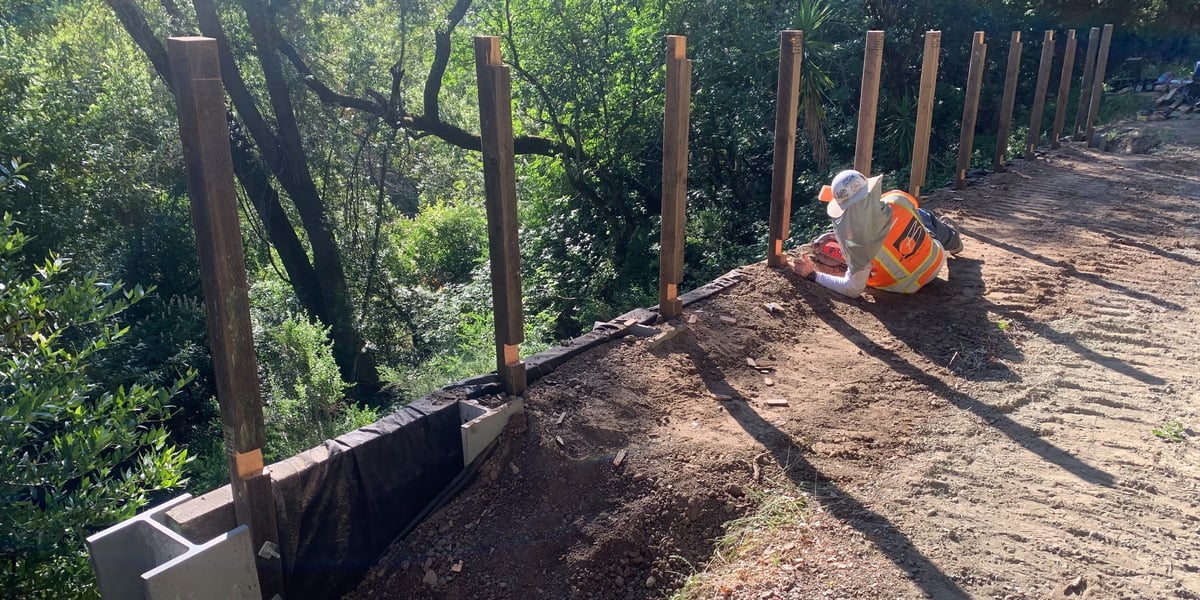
(619,581)
(1076,587)
(457,567)
(734,490)
(650,581)
(430,579)
(728,320)
(514,468)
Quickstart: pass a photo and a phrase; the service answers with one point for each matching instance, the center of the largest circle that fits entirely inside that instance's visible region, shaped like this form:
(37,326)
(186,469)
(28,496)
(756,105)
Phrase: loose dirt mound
(989,437)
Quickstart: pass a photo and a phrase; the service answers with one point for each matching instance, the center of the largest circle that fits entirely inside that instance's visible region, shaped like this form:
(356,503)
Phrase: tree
(78,457)
(271,157)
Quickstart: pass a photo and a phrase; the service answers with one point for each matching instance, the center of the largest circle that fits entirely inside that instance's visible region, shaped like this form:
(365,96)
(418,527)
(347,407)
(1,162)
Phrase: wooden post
(200,103)
(1006,102)
(1085,89)
(920,157)
(1039,95)
(868,102)
(1064,90)
(674,176)
(966,136)
(1098,84)
(500,188)
(787,105)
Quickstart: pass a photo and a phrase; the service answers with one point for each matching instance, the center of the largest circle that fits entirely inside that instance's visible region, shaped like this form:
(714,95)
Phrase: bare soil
(988,437)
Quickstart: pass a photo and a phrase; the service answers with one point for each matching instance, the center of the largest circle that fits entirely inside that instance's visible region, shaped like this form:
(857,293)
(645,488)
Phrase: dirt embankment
(1002,434)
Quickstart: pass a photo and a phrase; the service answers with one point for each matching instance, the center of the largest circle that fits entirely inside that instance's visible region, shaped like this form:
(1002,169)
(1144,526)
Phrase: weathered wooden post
(1064,90)
(500,187)
(674,176)
(1085,88)
(200,103)
(920,155)
(1039,95)
(1007,100)
(868,102)
(1098,84)
(966,136)
(787,106)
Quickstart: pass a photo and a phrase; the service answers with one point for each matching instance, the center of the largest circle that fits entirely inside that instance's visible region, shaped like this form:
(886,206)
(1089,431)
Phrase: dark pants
(942,230)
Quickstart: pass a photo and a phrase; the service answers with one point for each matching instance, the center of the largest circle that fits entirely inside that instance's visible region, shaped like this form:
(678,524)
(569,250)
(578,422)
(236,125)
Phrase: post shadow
(1070,270)
(888,538)
(1027,438)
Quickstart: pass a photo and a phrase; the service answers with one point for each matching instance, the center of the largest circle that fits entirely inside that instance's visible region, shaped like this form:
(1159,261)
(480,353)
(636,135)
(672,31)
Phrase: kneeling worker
(887,242)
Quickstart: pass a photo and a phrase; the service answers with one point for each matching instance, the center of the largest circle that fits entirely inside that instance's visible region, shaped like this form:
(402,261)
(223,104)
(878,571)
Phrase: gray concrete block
(221,568)
(121,553)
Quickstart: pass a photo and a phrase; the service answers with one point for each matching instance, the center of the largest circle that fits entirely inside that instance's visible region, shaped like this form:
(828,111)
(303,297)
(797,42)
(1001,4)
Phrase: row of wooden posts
(205,136)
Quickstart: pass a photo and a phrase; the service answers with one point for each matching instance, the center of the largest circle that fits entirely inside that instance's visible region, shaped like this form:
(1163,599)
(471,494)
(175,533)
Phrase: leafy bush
(306,402)
(78,456)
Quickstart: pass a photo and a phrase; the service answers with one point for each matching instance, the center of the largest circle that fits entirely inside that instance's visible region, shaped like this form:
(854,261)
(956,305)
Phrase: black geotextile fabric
(337,517)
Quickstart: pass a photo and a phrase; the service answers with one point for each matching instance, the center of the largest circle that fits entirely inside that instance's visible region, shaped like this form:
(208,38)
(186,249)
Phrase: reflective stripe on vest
(909,257)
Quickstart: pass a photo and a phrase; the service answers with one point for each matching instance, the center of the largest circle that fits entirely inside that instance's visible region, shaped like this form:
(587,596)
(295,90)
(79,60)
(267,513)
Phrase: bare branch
(326,95)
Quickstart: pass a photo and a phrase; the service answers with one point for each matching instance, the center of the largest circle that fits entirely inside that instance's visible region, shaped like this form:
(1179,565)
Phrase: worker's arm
(850,285)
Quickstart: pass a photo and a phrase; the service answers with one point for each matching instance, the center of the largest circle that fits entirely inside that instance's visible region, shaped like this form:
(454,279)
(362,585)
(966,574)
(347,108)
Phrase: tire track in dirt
(1108,349)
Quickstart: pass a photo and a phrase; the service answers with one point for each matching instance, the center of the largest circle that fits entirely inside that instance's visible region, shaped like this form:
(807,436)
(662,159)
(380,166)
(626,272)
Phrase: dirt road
(990,437)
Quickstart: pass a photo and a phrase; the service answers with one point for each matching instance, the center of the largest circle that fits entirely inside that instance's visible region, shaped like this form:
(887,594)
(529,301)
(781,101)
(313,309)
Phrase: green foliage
(306,402)
(1170,431)
(79,456)
(443,244)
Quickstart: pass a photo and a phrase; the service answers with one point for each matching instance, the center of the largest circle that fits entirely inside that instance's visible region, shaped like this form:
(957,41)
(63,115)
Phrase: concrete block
(203,518)
(482,425)
(145,559)
(121,553)
(222,568)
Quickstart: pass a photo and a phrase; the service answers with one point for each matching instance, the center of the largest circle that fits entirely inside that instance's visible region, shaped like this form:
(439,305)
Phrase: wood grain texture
(1007,100)
(500,189)
(787,107)
(1064,91)
(200,104)
(868,102)
(1098,84)
(1039,95)
(929,69)
(674,175)
(1085,88)
(966,136)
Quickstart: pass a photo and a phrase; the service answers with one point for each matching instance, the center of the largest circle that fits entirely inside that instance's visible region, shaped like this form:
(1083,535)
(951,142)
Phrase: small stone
(430,579)
(728,320)
(457,567)
(777,402)
(734,490)
(650,581)
(514,468)
(768,381)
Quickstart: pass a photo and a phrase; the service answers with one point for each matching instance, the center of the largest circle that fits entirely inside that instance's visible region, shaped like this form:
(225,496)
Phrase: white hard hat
(848,187)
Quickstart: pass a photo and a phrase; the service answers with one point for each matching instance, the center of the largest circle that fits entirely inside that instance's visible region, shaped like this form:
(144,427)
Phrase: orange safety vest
(909,257)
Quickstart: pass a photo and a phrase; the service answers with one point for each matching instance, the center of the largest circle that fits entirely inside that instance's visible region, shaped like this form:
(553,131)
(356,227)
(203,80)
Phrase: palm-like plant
(810,17)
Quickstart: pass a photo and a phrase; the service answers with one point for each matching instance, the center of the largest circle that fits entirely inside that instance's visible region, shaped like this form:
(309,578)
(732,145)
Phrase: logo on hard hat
(849,185)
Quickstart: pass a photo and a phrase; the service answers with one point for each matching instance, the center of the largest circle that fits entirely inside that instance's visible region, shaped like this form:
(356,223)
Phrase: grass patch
(782,507)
